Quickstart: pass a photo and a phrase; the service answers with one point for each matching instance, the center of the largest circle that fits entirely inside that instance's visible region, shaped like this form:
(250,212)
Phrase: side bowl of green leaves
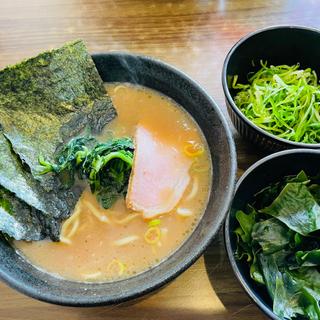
(271,84)
(272,234)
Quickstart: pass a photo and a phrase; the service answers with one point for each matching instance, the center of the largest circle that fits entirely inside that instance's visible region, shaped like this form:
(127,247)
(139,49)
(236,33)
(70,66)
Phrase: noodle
(119,87)
(164,231)
(127,219)
(96,213)
(74,228)
(72,222)
(184,212)
(198,167)
(126,240)
(92,276)
(194,190)
(65,240)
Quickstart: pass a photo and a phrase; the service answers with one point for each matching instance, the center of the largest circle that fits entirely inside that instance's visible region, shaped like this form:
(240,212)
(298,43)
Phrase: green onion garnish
(154,223)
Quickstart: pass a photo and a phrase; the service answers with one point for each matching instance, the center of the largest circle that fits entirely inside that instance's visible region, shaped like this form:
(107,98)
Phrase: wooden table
(194,36)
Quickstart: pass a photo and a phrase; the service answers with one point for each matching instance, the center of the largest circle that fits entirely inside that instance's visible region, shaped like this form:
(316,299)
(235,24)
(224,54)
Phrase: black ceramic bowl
(277,45)
(154,74)
(269,169)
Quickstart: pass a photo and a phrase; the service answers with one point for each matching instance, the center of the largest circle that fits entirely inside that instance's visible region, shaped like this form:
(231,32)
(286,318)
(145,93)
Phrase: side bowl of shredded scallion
(283,100)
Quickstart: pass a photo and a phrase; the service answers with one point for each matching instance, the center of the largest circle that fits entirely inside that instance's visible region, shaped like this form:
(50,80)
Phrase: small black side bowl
(124,67)
(277,45)
(269,169)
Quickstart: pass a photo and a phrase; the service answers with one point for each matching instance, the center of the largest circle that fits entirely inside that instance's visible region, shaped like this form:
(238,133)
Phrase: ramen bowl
(122,67)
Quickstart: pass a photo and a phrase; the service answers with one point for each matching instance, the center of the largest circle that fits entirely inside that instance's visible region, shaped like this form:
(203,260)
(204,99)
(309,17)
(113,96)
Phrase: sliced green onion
(154,223)
(283,100)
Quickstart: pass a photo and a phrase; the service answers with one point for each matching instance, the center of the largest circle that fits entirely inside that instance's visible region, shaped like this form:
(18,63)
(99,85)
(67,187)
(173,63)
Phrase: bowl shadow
(225,284)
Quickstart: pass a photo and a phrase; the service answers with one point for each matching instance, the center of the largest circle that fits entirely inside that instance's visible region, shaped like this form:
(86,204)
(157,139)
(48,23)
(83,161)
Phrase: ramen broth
(108,244)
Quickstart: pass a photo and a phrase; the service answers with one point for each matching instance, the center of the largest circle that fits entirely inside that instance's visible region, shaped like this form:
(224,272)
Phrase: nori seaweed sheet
(52,207)
(45,101)
(19,220)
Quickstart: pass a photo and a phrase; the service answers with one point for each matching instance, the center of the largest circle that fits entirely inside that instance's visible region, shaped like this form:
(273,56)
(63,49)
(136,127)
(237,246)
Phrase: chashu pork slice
(159,177)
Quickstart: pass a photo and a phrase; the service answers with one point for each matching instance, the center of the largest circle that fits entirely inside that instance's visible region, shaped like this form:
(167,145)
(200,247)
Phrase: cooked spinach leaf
(245,249)
(106,166)
(315,191)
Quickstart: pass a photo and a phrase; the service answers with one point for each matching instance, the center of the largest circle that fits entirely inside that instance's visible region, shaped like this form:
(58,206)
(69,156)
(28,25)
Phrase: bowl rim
(270,136)
(227,240)
(88,301)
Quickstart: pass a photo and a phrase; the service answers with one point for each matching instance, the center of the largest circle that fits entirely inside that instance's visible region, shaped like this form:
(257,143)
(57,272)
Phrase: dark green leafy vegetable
(271,235)
(69,159)
(106,166)
(270,264)
(245,250)
(283,100)
(308,258)
(243,232)
(278,236)
(264,197)
(287,294)
(296,207)
(246,222)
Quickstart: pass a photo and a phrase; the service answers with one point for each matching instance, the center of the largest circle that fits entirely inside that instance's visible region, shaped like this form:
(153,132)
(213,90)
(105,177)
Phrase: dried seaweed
(51,206)
(44,102)
(17,219)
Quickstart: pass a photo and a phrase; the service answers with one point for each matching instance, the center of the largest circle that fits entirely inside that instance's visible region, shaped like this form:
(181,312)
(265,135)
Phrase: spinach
(278,236)
(106,166)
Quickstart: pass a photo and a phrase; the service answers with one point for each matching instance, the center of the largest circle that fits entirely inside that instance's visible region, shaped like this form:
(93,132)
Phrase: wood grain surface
(192,35)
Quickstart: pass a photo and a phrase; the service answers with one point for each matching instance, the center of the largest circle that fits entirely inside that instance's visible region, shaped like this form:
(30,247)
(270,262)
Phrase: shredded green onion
(283,100)
(154,223)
